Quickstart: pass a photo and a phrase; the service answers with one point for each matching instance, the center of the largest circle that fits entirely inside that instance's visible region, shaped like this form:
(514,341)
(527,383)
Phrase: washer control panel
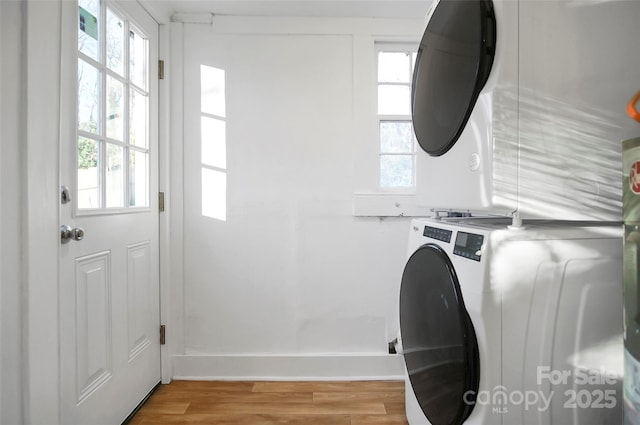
(439,234)
(468,245)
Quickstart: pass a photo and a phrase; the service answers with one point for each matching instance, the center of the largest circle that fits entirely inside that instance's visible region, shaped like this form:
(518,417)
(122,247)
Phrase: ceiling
(411,9)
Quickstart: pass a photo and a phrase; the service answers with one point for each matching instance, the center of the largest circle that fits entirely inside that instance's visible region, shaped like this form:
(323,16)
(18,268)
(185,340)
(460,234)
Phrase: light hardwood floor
(262,403)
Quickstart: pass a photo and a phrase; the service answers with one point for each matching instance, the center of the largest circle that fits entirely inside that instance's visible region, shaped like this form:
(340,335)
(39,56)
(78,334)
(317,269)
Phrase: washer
(520,105)
(504,325)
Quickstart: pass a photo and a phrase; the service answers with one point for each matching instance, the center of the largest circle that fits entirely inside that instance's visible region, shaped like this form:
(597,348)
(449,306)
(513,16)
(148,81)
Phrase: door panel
(140,291)
(109,279)
(93,323)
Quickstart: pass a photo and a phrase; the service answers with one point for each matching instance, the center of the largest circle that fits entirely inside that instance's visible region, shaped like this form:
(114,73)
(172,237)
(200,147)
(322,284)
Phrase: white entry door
(109,265)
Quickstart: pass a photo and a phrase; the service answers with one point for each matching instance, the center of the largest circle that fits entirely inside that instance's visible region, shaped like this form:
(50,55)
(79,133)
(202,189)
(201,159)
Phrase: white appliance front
(512,326)
(519,105)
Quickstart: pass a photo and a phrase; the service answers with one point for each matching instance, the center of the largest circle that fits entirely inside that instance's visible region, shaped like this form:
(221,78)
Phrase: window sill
(388,205)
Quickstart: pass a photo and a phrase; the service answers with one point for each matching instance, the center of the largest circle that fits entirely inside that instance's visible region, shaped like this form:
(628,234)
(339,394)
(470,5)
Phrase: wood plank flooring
(271,403)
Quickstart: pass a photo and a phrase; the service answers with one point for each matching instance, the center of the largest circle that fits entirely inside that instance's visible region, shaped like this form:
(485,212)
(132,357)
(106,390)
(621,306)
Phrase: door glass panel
(138,171)
(394,100)
(115,109)
(137,59)
(114,184)
(115,42)
(88,176)
(138,119)
(88,27)
(440,347)
(88,98)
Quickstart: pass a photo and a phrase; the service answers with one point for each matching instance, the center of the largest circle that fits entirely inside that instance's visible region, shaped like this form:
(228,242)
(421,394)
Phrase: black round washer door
(438,339)
(452,66)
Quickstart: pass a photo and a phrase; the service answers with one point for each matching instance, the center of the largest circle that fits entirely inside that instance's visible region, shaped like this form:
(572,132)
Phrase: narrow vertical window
(397,142)
(213,142)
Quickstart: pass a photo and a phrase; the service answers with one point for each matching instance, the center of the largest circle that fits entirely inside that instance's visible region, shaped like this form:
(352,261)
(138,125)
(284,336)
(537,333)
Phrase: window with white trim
(396,139)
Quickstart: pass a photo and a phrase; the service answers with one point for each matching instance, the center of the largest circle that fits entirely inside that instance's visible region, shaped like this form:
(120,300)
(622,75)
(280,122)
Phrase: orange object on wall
(631,107)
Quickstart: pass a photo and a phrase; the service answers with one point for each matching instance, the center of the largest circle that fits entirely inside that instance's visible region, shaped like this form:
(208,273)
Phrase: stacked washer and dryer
(514,316)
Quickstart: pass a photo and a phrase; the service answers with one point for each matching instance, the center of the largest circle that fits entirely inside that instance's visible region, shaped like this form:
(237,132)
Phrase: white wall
(290,273)
(10,242)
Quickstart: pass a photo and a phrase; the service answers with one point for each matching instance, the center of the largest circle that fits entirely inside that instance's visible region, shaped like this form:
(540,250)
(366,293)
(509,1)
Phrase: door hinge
(162,335)
(161,201)
(161,69)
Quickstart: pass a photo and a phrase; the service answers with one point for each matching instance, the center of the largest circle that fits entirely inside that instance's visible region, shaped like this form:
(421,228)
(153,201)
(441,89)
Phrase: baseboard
(288,367)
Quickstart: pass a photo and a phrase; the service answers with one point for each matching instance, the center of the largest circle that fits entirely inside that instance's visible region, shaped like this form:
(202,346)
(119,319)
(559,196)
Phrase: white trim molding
(290,367)
(388,205)
(175,201)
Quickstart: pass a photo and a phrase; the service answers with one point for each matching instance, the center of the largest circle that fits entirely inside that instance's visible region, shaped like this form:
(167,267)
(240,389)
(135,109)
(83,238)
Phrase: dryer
(504,326)
(519,105)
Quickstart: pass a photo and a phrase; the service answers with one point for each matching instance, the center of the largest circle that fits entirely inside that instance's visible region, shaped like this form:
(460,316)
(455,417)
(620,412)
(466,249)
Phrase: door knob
(67,233)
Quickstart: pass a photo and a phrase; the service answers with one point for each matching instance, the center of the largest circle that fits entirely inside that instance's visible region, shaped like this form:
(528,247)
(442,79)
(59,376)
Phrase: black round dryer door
(438,339)
(452,66)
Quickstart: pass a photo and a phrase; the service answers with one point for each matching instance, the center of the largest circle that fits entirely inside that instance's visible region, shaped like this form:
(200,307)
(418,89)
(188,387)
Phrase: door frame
(43,109)
(40,178)
(168,271)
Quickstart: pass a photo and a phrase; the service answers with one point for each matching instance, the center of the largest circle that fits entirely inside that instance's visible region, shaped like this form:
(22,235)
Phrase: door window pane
(114,184)
(396,170)
(115,109)
(88,176)
(138,119)
(88,98)
(88,27)
(137,59)
(138,171)
(115,42)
